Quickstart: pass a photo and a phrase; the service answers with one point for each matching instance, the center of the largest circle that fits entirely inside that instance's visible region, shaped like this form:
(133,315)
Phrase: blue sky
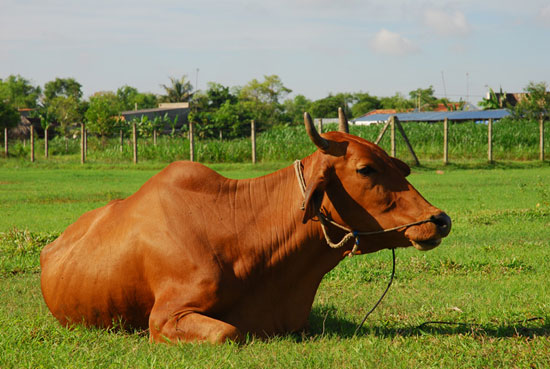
(317,47)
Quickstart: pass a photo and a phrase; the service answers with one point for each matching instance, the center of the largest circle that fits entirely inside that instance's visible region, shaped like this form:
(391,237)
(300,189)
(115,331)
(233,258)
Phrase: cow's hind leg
(188,325)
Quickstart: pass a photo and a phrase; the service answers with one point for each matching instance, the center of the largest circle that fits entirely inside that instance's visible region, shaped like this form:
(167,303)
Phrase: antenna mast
(444,87)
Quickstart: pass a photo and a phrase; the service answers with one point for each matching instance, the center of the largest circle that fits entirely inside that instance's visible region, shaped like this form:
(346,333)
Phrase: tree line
(218,111)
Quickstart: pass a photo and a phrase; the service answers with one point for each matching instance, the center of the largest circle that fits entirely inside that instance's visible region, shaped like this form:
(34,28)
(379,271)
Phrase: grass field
(493,271)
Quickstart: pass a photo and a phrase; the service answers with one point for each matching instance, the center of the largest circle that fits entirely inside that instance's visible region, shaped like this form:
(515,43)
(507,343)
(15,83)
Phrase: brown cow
(196,256)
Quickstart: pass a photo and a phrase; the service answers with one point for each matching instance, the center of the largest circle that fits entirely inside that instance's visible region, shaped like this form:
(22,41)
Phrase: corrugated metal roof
(432,116)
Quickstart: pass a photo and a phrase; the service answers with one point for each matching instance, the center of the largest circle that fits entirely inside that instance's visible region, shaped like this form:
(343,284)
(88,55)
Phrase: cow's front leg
(188,326)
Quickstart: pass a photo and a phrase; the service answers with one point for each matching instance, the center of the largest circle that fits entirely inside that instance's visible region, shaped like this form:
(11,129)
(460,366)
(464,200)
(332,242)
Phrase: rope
(432,322)
(354,234)
(381,297)
(324,220)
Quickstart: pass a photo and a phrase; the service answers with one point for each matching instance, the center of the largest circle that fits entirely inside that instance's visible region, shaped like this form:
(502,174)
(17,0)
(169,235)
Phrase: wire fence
(447,141)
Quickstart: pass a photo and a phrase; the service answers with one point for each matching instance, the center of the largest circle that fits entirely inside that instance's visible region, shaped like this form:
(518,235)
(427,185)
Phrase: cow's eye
(366,170)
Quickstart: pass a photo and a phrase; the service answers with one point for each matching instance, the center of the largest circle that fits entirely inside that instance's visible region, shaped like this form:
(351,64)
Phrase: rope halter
(325,221)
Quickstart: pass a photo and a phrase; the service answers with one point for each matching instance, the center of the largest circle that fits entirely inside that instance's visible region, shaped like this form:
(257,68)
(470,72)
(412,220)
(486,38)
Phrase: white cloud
(391,43)
(447,24)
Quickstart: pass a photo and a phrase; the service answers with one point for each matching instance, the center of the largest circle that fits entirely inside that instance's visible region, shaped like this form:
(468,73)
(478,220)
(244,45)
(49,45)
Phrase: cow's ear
(402,166)
(314,197)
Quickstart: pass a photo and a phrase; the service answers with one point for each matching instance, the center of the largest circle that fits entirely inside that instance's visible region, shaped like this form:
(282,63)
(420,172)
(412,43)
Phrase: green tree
(144,126)
(363,103)
(200,114)
(294,109)
(172,122)
(536,104)
(67,112)
(199,108)
(129,97)
(102,114)
(204,105)
(271,90)
(328,107)
(397,102)
(19,92)
(179,90)
(157,124)
(62,99)
(424,99)
(218,94)
(233,119)
(9,117)
(47,119)
(494,101)
(62,87)
(262,98)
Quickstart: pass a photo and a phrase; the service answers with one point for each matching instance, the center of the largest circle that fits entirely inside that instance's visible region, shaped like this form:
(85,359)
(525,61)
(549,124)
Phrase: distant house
(380,111)
(381,115)
(375,115)
(436,116)
(23,129)
(508,99)
(171,110)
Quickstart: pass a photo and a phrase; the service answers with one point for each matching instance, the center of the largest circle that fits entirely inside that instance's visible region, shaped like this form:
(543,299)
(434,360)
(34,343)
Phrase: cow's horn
(319,141)
(342,121)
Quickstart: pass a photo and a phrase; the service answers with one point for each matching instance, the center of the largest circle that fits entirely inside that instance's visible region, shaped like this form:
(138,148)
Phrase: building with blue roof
(435,116)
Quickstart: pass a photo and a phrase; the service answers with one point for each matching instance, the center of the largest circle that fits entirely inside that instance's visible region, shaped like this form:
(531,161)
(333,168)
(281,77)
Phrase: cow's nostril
(443,223)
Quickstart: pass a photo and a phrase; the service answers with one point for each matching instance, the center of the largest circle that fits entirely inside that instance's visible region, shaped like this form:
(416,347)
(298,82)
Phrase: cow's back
(100,268)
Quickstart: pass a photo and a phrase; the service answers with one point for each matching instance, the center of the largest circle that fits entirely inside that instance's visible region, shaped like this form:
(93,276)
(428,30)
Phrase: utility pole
(444,87)
(197,80)
(467,87)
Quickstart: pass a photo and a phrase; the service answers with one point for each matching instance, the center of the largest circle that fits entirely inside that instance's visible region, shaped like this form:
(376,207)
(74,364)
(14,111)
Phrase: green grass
(493,270)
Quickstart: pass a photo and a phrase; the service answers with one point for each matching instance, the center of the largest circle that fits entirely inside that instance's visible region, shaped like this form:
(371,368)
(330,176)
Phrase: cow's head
(358,185)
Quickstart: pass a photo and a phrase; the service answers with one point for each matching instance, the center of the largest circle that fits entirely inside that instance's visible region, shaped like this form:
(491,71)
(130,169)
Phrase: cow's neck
(288,243)
(284,260)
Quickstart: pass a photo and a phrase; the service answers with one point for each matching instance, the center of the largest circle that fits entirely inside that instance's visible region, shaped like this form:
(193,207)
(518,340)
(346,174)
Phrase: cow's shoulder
(186,175)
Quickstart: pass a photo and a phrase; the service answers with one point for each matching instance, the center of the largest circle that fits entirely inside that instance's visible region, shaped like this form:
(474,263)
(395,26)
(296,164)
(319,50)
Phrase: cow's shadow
(325,322)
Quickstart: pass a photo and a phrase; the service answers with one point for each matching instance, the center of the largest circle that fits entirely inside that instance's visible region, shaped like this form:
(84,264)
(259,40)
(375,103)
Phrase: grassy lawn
(493,271)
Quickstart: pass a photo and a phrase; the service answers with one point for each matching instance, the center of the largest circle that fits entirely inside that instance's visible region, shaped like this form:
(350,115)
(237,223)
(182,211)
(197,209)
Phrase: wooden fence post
(392,120)
(320,125)
(379,138)
(82,143)
(191,142)
(541,142)
(121,140)
(446,141)
(6,142)
(490,140)
(32,143)
(46,147)
(406,139)
(85,142)
(154,137)
(134,141)
(253,138)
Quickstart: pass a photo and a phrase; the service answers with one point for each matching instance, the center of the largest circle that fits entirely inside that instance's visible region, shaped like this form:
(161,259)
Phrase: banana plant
(47,119)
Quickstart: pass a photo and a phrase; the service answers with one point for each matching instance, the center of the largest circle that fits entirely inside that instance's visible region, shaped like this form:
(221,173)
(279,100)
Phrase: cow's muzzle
(442,224)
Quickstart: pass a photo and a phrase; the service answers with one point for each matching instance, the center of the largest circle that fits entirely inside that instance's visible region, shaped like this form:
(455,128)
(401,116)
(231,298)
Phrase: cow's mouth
(426,245)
